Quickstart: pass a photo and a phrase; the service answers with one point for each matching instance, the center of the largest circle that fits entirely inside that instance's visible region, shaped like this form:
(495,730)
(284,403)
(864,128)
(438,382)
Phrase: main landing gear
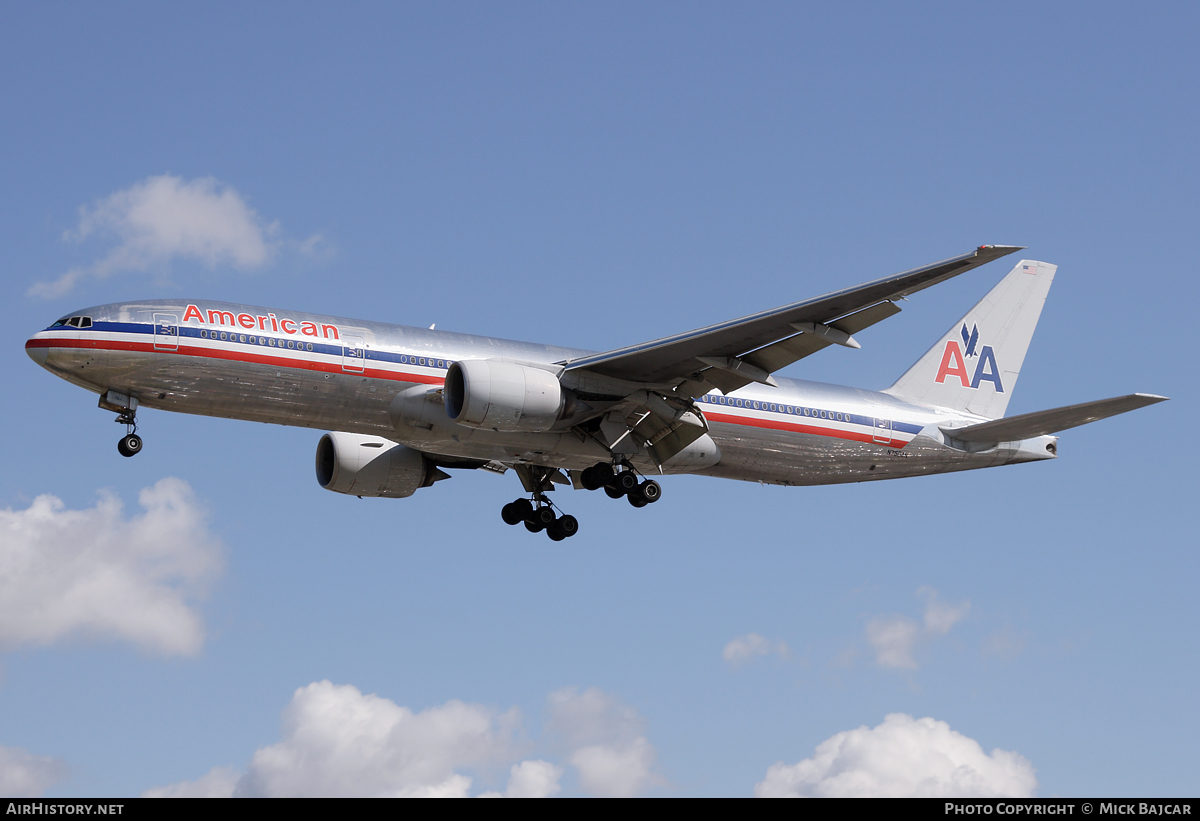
(624,483)
(539,515)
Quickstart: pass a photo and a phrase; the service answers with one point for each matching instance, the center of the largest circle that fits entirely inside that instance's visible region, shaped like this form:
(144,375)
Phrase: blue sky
(596,176)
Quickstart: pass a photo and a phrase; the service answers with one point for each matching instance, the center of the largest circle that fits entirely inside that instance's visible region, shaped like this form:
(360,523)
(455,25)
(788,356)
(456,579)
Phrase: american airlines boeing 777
(402,404)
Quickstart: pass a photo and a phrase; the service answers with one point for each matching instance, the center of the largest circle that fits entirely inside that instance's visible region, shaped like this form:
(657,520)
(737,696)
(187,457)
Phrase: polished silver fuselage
(332,373)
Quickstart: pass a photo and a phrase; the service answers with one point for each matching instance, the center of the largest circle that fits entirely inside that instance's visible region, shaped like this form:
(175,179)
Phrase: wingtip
(1001,250)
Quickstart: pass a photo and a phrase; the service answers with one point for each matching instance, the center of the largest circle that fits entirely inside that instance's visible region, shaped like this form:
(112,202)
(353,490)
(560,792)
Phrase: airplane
(405,404)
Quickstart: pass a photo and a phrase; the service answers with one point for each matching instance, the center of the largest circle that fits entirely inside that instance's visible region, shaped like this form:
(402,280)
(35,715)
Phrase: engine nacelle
(505,396)
(371,466)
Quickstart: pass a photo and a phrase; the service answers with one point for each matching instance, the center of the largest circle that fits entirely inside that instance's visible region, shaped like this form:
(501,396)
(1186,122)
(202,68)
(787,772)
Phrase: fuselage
(332,373)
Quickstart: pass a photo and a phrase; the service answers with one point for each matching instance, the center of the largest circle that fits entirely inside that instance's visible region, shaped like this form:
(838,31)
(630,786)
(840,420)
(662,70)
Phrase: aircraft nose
(37,350)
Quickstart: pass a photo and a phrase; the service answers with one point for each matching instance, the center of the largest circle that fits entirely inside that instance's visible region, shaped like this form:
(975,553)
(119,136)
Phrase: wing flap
(1040,423)
(786,351)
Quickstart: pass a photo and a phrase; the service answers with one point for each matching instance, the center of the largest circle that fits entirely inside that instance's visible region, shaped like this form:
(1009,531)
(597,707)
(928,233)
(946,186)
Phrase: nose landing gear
(126,409)
(129,445)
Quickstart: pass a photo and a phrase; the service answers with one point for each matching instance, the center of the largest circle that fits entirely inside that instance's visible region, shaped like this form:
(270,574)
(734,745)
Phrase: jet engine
(505,396)
(371,466)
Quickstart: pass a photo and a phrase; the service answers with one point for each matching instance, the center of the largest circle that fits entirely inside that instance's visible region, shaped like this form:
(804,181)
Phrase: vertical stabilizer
(975,365)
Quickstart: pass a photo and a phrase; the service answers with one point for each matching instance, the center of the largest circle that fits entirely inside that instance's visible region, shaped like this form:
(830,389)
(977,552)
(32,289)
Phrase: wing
(732,354)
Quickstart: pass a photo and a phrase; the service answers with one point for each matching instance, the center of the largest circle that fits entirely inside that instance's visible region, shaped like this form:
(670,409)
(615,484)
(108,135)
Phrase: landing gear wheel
(597,476)
(626,481)
(129,445)
(516,512)
(613,491)
(650,490)
(540,519)
(636,500)
(568,526)
(564,528)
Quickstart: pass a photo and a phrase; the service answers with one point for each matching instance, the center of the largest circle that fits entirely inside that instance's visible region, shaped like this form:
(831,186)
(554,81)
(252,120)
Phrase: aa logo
(954,361)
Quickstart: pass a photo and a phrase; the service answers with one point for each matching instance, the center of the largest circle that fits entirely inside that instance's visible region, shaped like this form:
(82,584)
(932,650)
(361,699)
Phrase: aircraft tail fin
(1040,423)
(975,365)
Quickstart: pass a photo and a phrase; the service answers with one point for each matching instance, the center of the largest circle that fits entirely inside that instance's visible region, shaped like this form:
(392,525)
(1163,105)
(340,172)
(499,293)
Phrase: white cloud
(219,783)
(534,779)
(335,742)
(902,757)
(25,775)
(895,638)
(940,617)
(338,742)
(616,770)
(531,779)
(609,750)
(95,574)
(164,218)
(744,648)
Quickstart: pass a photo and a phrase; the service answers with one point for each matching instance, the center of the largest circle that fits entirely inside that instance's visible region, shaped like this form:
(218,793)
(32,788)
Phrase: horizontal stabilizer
(1040,423)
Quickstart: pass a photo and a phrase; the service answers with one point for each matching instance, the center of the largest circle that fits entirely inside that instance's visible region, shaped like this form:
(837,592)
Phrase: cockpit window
(73,322)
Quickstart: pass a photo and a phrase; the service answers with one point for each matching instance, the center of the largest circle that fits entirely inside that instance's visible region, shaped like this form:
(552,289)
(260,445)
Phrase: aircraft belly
(566,451)
(791,458)
(252,392)
(85,367)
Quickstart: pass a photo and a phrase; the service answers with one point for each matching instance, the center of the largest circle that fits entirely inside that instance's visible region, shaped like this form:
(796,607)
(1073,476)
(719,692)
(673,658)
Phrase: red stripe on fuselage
(775,424)
(395,376)
(234,356)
